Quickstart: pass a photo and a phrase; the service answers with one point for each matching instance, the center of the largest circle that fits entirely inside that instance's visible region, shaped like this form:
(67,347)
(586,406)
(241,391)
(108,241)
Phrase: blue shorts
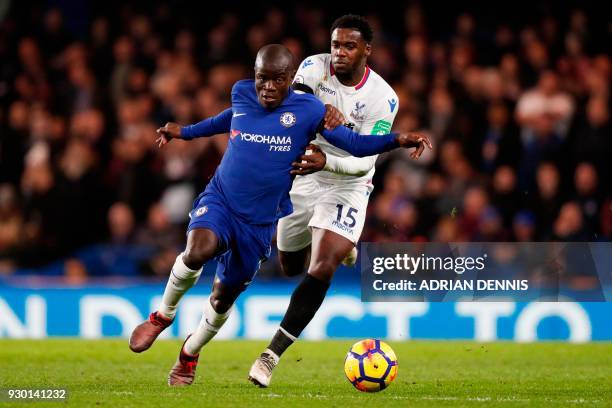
(243,247)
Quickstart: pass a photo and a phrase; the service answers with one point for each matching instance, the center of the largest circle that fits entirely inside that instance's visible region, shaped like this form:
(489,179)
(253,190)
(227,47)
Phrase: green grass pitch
(106,374)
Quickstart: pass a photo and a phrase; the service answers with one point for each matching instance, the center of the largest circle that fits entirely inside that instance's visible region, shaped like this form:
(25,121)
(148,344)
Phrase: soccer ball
(370,365)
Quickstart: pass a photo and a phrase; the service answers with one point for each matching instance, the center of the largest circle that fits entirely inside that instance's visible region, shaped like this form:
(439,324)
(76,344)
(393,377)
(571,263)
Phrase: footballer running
(233,219)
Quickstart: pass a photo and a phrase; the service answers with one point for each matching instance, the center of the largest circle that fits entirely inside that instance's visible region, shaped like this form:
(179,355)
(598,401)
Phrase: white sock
(272,354)
(181,279)
(207,329)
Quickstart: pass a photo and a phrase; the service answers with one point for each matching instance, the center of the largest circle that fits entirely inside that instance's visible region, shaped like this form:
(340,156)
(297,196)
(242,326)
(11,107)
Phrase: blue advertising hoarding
(104,311)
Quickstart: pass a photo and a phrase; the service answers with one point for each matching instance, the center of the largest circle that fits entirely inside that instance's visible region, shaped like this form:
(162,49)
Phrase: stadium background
(92,214)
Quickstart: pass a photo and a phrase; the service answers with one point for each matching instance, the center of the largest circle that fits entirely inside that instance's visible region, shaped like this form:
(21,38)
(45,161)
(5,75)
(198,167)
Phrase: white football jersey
(370,106)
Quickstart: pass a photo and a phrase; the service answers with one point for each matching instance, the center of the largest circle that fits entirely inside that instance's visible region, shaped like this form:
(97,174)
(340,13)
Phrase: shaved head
(274,72)
(274,56)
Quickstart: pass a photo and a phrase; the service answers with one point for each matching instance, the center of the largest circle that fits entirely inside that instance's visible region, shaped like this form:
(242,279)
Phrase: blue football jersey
(253,176)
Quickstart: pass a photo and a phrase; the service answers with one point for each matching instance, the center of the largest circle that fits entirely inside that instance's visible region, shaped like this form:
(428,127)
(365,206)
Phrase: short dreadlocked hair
(355,22)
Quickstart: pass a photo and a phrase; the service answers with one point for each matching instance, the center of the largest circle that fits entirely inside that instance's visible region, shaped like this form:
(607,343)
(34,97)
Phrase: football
(370,365)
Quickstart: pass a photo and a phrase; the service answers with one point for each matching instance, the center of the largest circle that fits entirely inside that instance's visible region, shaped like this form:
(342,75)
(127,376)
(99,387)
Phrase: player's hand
(414,139)
(309,163)
(333,117)
(168,132)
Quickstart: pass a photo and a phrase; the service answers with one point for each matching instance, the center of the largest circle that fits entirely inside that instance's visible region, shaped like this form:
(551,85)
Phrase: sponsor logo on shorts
(342,227)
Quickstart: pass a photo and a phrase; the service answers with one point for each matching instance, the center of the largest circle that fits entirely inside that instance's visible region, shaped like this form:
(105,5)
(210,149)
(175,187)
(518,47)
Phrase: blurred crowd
(519,113)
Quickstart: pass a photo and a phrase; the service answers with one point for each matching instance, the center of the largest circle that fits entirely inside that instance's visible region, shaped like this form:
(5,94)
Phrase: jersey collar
(361,83)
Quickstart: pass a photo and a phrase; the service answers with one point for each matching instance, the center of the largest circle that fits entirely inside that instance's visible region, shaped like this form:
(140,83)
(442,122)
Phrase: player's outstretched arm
(369,145)
(350,166)
(316,160)
(208,127)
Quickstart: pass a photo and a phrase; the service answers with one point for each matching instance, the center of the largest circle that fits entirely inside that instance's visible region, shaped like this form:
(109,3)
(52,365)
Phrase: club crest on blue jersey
(201,211)
(287,119)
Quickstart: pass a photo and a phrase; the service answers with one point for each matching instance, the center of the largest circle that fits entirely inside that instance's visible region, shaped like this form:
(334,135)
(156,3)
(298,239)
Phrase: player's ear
(292,75)
(368,50)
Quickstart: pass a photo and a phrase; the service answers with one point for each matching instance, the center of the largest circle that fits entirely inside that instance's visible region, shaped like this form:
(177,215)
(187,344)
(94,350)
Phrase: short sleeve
(381,120)
(310,72)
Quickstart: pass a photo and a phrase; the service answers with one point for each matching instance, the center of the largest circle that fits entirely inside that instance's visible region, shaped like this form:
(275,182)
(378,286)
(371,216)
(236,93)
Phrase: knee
(219,304)
(292,263)
(323,269)
(196,255)
(291,270)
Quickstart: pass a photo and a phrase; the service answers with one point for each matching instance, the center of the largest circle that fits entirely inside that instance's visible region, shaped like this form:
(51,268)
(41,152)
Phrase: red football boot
(146,332)
(184,369)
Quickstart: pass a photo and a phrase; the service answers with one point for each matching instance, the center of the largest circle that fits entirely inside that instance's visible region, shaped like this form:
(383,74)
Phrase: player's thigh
(328,251)
(293,233)
(249,247)
(202,245)
(208,232)
(293,263)
(342,209)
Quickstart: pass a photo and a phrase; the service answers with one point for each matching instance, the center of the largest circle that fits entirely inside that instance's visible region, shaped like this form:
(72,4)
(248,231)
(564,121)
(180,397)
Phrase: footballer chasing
(329,206)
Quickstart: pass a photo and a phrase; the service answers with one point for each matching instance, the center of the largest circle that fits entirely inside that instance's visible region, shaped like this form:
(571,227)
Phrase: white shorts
(340,208)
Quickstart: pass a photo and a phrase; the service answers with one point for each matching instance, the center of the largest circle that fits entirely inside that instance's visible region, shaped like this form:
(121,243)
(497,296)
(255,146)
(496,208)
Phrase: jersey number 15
(349,216)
